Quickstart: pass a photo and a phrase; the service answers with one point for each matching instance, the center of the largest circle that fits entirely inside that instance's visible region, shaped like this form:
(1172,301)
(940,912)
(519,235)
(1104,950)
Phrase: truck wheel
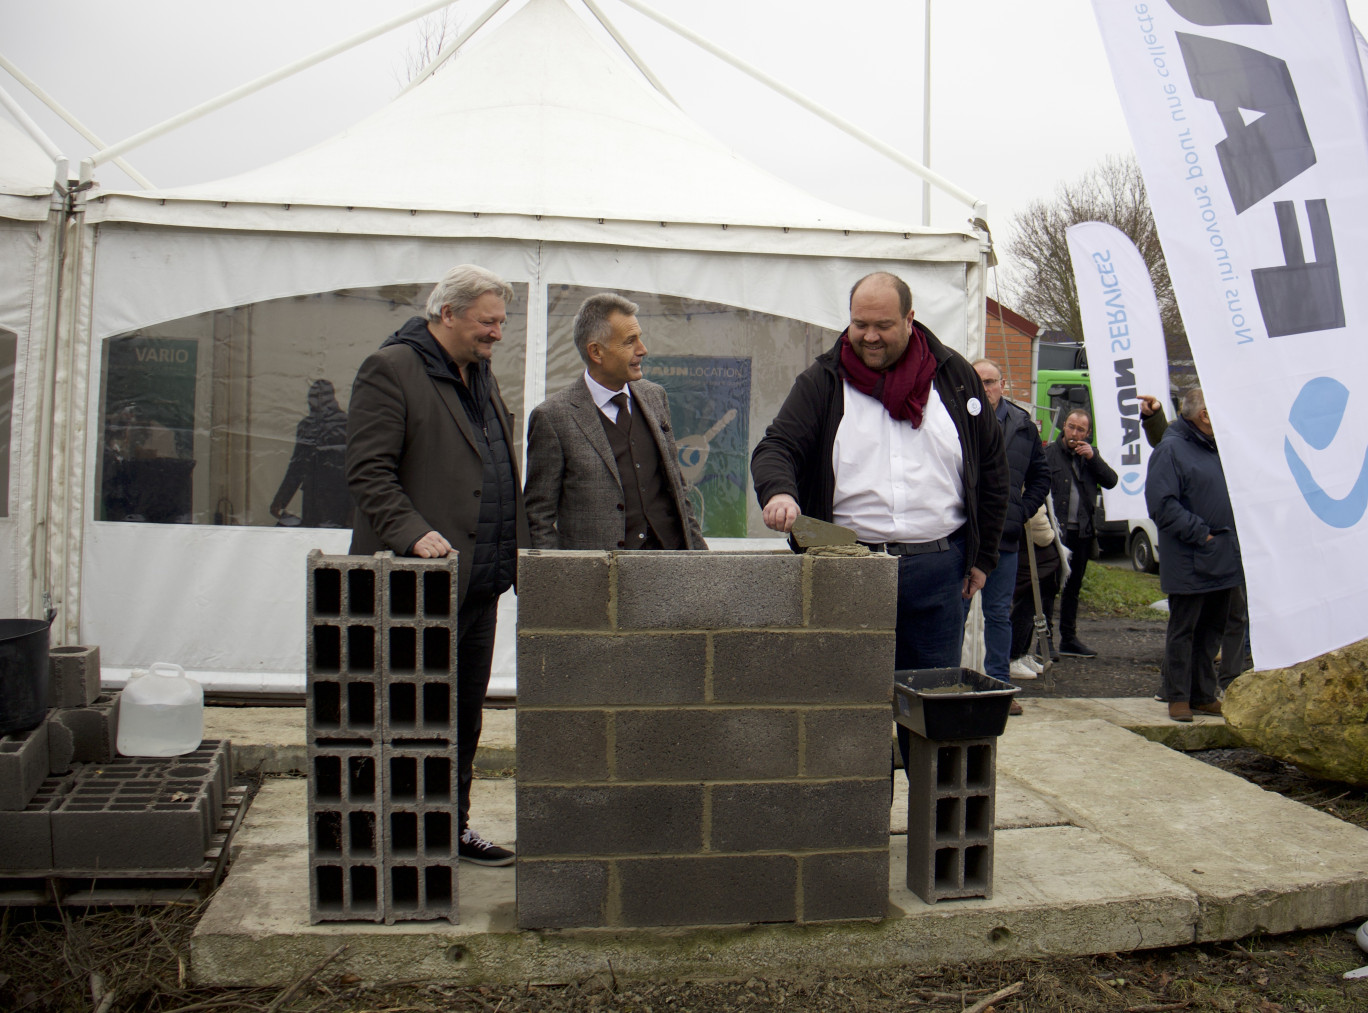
(1142,553)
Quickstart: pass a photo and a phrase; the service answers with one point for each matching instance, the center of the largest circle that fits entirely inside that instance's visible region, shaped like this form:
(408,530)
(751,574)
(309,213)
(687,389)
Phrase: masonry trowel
(809,532)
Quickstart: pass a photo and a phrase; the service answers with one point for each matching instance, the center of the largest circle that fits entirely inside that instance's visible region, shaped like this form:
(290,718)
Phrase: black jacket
(795,455)
(1030,474)
(1185,491)
(1094,472)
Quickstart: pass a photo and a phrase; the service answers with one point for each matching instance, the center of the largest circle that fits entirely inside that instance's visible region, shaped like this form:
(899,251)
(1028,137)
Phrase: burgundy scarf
(904,387)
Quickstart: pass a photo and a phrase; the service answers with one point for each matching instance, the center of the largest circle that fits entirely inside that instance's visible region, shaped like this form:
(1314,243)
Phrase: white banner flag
(1250,122)
(1126,355)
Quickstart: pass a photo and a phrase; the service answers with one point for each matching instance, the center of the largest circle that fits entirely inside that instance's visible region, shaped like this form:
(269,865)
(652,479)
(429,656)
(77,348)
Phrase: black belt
(908,548)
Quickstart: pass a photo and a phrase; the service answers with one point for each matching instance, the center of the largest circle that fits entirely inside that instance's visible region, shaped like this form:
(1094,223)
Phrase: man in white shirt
(888,434)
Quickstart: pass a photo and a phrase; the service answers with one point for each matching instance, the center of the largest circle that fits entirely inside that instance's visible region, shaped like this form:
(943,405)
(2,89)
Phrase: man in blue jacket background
(1199,555)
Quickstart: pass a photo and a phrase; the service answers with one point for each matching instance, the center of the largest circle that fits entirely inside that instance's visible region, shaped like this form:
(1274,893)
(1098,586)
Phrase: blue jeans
(930,614)
(996,598)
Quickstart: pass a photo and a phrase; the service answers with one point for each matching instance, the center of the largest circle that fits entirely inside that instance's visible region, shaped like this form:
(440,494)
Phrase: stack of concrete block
(382,738)
(703,738)
(79,727)
(127,813)
(950,817)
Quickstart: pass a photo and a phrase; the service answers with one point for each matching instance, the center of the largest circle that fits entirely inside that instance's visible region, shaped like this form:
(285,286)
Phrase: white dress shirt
(603,397)
(895,483)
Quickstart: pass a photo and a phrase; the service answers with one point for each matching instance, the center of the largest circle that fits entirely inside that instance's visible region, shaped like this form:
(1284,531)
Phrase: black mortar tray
(951,703)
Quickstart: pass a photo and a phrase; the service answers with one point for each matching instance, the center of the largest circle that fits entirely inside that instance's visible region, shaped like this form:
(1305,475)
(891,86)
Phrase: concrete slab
(272,739)
(1257,861)
(1145,716)
(1060,890)
(1105,841)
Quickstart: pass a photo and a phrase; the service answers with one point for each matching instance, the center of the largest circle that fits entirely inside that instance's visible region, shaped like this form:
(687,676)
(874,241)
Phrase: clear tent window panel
(238,416)
(726,371)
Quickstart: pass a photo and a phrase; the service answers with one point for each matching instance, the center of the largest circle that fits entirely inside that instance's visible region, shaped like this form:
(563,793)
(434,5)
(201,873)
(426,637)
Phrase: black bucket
(23,674)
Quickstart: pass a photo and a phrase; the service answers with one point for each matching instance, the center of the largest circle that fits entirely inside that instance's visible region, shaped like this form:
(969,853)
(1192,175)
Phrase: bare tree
(434,32)
(1042,278)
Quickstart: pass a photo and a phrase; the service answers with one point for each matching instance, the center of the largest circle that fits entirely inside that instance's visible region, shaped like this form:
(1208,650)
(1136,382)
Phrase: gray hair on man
(461,286)
(988,362)
(592,322)
(1193,403)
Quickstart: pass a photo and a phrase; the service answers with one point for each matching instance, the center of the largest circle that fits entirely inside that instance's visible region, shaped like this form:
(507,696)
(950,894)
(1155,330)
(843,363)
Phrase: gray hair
(899,286)
(988,362)
(1193,403)
(461,286)
(592,323)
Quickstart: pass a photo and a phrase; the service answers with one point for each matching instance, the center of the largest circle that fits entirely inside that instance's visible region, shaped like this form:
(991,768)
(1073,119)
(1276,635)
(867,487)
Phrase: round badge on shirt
(974,406)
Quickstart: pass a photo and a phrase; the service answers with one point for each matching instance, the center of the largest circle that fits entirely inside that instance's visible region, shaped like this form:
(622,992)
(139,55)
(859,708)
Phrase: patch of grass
(1117,592)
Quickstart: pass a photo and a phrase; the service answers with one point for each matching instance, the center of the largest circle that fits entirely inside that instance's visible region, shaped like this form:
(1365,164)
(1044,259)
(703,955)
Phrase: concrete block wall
(382,738)
(88,734)
(703,738)
(950,817)
(24,763)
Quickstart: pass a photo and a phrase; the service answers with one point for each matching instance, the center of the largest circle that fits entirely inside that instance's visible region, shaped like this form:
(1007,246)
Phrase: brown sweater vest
(647,503)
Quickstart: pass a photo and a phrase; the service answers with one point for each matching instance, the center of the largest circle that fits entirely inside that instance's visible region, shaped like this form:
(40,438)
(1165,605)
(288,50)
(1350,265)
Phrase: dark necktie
(624,417)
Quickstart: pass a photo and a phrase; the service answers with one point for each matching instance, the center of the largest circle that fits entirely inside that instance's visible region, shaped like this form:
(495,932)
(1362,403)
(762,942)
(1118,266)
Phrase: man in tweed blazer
(582,440)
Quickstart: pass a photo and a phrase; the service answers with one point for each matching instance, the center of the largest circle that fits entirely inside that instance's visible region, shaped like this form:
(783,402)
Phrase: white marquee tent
(30,230)
(205,312)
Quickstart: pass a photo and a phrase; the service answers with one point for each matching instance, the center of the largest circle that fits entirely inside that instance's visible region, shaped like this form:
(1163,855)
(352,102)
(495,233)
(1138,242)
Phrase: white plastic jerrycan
(161,712)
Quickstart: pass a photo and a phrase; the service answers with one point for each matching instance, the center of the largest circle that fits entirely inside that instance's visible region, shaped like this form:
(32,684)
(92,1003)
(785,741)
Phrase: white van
(1142,545)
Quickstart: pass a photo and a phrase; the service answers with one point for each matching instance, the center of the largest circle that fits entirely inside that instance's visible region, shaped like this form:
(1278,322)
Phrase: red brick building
(1009,337)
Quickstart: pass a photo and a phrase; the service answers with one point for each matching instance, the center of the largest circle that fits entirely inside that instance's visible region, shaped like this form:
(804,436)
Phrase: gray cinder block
(24,763)
(609,820)
(779,667)
(853,592)
(563,590)
(568,670)
(846,742)
(343,587)
(418,707)
(708,890)
(696,590)
(73,676)
(127,816)
(559,894)
(950,818)
(845,885)
(734,743)
(26,835)
(800,816)
(562,746)
(89,733)
(420,590)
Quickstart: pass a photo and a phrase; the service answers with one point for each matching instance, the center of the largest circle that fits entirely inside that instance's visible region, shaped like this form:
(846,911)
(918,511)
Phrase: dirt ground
(50,960)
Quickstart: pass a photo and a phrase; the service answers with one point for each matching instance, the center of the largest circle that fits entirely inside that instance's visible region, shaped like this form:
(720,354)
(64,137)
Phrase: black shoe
(1076,649)
(475,849)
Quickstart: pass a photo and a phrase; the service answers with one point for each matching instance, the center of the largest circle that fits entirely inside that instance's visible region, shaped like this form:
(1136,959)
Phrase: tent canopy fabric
(537,118)
(26,172)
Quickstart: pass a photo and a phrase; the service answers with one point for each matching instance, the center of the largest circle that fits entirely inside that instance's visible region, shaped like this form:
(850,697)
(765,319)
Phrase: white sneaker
(1033,663)
(1019,670)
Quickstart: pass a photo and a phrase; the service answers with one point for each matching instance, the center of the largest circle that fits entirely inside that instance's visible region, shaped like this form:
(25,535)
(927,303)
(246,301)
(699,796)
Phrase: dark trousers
(930,630)
(1234,656)
(474,656)
(1196,624)
(1023,609)
(1079,548)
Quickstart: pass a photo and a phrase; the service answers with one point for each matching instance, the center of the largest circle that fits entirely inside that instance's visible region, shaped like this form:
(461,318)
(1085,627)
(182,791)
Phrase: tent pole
(626,47)
(446,51)
(71,121)
(251,87)
(888,151)
(32,129)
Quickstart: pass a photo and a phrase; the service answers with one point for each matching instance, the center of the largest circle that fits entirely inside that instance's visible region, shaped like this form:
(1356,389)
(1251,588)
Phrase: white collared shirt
(603,397)
(895,483)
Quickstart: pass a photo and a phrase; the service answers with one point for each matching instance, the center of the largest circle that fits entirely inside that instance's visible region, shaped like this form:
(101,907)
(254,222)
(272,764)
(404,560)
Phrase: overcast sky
(1022,98)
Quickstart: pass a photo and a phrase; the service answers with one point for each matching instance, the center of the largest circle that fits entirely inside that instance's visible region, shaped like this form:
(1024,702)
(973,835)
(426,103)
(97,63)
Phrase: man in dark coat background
(1199,555)
(1076,470)
(430,462)
(1030,484)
